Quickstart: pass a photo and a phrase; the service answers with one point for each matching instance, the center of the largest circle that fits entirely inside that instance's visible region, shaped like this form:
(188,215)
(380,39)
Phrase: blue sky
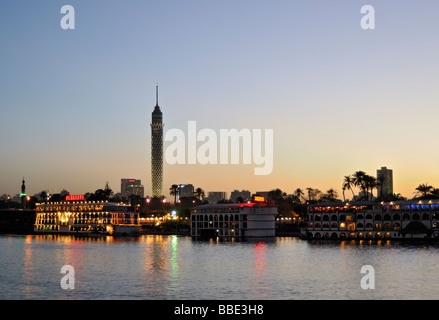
(76,104)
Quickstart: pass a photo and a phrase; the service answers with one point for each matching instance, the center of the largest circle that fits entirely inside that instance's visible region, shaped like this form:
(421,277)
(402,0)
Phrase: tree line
(359,184)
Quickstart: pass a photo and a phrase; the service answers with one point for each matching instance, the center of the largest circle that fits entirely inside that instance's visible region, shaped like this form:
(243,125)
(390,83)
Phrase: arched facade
(394,220)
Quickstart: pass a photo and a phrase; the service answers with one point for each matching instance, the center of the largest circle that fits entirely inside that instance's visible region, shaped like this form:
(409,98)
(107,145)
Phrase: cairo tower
(157,149)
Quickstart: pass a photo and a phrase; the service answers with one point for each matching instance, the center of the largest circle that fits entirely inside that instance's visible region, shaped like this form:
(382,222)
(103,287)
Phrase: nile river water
(173,267)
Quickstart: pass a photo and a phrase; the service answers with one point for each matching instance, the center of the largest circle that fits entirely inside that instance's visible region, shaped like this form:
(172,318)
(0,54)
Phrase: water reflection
(174,267)
(160,267)
(174,278)
(28,266)
(259,269)
(351,243)
(156,254)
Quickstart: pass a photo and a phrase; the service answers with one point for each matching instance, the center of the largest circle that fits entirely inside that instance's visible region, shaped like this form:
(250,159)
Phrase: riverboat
(412,219)
(87,218)
(238,220)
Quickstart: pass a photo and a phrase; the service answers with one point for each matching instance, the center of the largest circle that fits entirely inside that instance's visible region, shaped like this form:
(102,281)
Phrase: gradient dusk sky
(76,104)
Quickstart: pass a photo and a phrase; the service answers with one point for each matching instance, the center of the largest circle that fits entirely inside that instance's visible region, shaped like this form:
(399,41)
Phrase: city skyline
(228,193)
(340,99)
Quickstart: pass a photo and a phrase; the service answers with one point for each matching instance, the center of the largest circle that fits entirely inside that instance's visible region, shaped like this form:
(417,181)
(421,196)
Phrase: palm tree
(435,193)
(331,195)
(173,191)
(298,193)
(359,180)
(370,182)
(199,194)
(424,189)
(317,195)
(348,182)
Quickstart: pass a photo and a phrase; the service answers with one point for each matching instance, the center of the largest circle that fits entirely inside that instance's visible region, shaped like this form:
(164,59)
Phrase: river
(177,267)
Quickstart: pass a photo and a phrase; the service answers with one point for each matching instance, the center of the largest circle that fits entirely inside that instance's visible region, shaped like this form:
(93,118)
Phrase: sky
(76,104)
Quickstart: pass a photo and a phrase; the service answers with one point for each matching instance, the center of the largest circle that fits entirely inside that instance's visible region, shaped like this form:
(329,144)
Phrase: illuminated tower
(157,149)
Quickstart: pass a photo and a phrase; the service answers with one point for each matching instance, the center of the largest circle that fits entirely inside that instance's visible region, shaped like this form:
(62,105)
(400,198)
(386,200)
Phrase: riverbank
(22,222)
(165,233)
(183,229)
(187,233)
(17,221)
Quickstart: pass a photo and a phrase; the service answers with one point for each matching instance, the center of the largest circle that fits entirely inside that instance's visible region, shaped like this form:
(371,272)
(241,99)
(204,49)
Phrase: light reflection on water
(173,267)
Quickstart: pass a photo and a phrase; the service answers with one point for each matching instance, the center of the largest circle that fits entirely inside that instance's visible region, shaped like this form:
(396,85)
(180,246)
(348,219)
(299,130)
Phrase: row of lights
(420,202)
(287,219)
(77,202)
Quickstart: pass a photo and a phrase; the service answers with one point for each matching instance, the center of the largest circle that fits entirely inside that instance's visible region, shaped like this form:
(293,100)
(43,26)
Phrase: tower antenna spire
(157,94)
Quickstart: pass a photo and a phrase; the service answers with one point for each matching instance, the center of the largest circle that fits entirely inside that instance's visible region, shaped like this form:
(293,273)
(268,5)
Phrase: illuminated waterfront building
(76,216)
(411,219)
(262,194)
(245,220)
(157,150)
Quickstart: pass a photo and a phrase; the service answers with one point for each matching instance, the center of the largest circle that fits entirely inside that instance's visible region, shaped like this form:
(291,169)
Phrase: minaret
(23,194)
(157,149)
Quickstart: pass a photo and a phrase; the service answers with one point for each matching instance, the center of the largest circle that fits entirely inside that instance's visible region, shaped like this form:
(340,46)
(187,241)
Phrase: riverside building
(76,216)
(365,220)
(244,220)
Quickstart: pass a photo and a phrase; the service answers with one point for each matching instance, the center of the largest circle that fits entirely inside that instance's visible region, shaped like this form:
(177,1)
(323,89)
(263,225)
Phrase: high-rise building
(385,181)
(131,187)
(244,194)
(157,149)
(215,196)
(186,190)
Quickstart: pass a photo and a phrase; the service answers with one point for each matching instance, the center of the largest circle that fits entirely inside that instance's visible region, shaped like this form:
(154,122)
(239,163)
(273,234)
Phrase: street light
(148,200)
(164,201)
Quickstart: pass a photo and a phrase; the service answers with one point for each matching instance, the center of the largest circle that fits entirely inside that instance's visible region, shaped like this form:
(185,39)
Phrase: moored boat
(87,218)
(411,219)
